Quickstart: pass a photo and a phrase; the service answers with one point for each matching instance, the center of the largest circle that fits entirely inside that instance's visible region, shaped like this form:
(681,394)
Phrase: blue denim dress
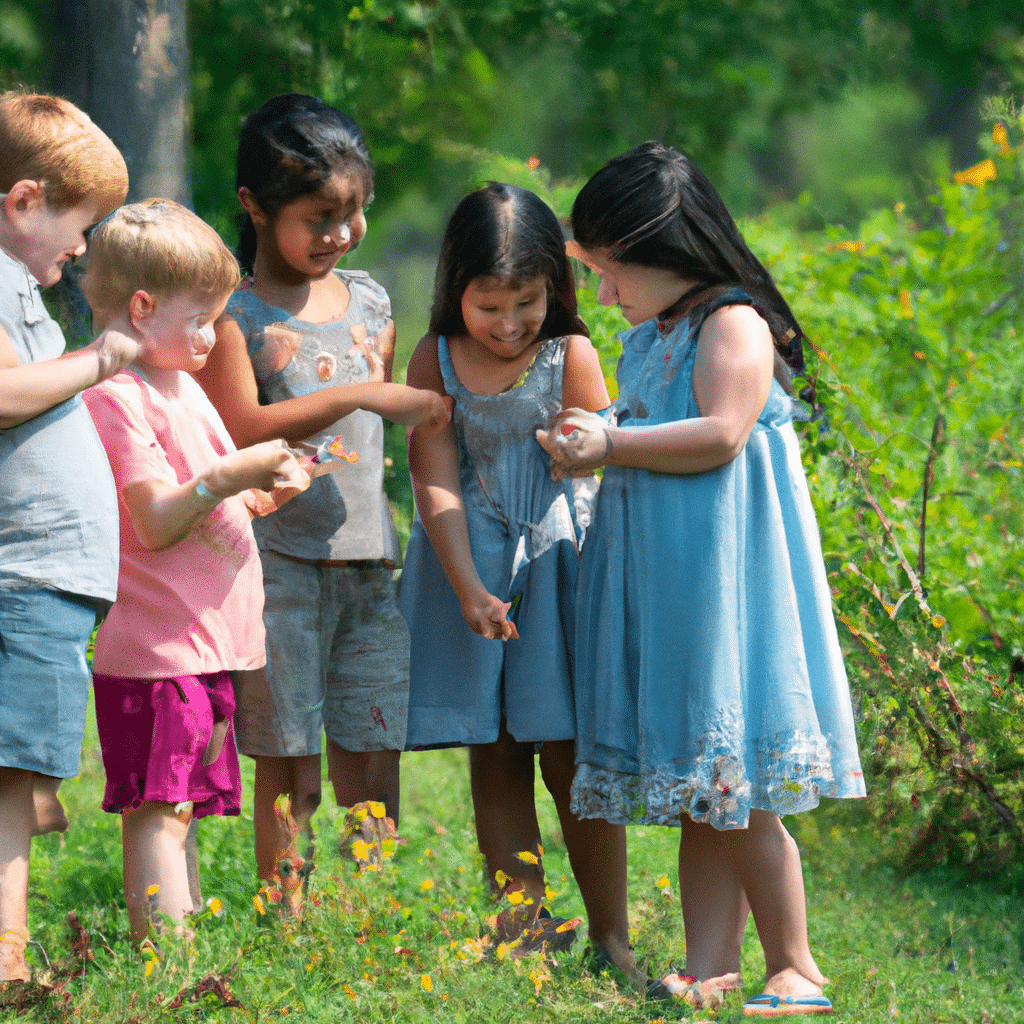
(709,678)
(524,532)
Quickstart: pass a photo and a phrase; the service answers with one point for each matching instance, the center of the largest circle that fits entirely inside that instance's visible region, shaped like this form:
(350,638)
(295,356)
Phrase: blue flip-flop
(766,1005)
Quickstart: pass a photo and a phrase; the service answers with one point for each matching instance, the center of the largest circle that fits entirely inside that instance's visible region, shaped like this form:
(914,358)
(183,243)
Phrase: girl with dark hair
(488,587)
(710,688)
(304,352)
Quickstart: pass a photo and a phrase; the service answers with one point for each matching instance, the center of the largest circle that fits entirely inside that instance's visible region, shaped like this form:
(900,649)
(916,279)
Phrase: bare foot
(618,954)
(790,983)
(12,955)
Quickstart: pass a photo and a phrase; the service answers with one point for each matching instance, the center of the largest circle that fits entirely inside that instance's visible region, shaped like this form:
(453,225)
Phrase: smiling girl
(304,352)
(489,583)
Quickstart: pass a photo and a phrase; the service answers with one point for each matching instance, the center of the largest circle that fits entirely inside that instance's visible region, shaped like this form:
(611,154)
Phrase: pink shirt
(196,607)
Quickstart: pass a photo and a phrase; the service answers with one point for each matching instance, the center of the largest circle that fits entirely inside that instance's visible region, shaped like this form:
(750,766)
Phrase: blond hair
(160,247)
(49,140)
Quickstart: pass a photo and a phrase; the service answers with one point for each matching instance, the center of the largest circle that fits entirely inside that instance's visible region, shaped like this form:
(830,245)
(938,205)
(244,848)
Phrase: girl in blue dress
(710,688)
(489,584)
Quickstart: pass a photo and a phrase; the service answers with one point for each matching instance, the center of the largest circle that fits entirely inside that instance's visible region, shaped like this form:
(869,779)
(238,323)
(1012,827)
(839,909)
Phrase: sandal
(766,1005)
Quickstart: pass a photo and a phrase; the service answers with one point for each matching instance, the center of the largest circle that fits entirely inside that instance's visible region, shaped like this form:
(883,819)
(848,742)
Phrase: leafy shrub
(916,474)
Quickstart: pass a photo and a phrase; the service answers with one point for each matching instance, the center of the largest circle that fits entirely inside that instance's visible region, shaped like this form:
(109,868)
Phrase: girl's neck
(314,300)
(483,373)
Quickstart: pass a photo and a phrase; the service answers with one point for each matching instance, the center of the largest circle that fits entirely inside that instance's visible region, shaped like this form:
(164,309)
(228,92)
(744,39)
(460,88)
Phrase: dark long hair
(289,148)
(654,207)
(508,233)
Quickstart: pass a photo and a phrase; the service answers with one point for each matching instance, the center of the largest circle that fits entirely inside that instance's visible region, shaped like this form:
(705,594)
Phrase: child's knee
(50,815)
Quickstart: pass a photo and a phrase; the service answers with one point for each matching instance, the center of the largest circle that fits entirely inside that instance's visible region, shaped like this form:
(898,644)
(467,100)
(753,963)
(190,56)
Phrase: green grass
(945,947)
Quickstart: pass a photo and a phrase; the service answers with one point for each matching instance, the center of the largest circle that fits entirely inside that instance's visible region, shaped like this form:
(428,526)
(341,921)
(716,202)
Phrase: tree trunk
(125,62)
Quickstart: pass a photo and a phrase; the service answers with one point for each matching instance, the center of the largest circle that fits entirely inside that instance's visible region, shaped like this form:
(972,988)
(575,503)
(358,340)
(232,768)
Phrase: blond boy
(189,603)
(59,175)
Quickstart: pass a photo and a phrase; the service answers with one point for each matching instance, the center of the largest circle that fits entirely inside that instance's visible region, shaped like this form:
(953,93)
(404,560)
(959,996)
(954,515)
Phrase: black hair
(289,148)
(654,207)
(505,232)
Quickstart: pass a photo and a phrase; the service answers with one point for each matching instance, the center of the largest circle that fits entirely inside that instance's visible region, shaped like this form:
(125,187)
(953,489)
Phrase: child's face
(177,334)
(53,237)
(640,292)
(314,231)
(505,319)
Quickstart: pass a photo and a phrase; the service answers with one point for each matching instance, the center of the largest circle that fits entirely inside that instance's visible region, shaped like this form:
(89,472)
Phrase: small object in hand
(335,449)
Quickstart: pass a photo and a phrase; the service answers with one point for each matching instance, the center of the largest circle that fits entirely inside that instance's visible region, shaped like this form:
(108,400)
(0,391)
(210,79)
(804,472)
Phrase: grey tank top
(345,515)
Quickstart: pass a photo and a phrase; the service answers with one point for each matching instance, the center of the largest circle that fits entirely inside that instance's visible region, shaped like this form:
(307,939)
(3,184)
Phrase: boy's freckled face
(56,236)
(179,335)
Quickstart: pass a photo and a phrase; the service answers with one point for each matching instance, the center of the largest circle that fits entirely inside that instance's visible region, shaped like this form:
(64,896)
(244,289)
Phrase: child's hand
(578,443)
(436,421)
(415,407)
(114,351)
(263,467)
(486,616)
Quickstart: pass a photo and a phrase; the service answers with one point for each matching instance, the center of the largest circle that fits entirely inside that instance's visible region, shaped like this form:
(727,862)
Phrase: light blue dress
(709,678)
(524,533)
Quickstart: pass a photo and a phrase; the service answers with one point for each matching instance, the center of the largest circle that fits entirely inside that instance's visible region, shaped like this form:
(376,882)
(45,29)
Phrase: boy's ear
(24,195)
(251,206)
(141,307)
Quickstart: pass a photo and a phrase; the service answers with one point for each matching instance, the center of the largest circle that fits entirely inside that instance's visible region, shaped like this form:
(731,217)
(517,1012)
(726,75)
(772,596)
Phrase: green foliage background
(833,128)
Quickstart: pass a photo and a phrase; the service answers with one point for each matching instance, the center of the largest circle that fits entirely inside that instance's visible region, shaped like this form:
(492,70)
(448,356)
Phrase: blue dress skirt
(524,534)
(709,678)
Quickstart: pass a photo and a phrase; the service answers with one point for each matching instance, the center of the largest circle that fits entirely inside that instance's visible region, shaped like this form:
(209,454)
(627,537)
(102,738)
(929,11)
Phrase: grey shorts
(337,661)
(44,679)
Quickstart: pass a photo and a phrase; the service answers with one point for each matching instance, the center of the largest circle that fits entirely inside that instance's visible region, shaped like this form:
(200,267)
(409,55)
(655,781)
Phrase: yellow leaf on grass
(527,858)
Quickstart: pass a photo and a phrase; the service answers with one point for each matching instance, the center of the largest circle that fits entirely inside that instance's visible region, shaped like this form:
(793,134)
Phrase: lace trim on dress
(792,773)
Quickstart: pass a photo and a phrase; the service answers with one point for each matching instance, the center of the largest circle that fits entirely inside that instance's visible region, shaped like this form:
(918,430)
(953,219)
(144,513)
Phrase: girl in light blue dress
(489,584)
(710,688)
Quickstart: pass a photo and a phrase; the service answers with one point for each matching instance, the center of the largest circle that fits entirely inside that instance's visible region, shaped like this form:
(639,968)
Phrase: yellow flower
(515,898)
(377,809)
(427,883)
(899,209)
(663,882)
(258,904)
(533,163)
(977,175)
(500,877)
(426,983)
(152,890)
(527,858)
(215,906)
(906,310)
(856,247)
(1001,139)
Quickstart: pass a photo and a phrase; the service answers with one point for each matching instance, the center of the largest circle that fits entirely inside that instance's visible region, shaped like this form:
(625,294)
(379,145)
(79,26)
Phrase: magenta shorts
(154,734)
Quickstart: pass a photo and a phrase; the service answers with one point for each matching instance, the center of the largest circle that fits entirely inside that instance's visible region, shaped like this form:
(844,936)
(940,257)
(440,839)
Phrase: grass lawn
(406,943)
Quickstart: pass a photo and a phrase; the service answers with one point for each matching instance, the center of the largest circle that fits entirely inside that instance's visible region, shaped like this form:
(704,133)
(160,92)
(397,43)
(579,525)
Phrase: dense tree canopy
(741,85)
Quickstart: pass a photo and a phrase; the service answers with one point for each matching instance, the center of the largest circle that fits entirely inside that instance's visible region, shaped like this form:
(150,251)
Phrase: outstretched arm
(434,466)
(30,389)
(731,379)
(229,381)
(163,513)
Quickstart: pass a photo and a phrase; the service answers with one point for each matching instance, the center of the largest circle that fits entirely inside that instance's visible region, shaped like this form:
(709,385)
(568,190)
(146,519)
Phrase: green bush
(916,474)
